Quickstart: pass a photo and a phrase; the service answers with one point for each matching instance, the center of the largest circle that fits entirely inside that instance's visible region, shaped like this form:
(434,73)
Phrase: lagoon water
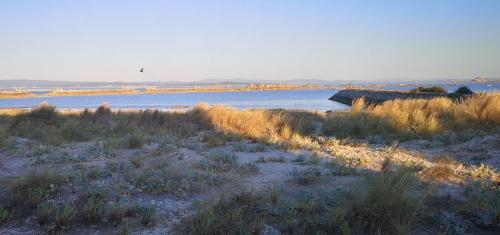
(288,99)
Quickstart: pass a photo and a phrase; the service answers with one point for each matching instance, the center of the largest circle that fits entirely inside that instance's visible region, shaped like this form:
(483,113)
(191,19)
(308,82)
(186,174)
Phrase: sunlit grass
(417,116)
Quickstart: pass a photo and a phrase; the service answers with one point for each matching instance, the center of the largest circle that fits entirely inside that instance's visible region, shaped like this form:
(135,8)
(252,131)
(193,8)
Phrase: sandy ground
(275,170)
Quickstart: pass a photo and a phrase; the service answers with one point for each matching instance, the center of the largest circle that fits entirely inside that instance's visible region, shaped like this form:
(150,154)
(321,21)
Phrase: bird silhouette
(141,70)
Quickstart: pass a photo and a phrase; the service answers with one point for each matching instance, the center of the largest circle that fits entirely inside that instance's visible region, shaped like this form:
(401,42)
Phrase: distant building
(480,80)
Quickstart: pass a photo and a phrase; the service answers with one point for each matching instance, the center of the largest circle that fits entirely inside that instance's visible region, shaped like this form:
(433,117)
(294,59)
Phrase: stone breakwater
(376,97)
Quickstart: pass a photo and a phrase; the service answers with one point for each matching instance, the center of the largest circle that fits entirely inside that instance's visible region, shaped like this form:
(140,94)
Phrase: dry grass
(441,173)
(483,108)
(51,126)
(385,205)
(293,128)
(416,116)
(269,126)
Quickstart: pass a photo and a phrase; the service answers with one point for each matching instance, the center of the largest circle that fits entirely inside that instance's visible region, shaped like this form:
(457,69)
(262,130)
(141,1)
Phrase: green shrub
(5,215)
(34,188)
(42,116)
(103,110)
(135,141)
(464,91)
(434,89)
(6,142)
(73,132)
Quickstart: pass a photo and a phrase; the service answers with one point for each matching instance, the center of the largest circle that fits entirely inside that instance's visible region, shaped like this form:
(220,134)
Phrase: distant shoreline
(259,87)
(58,92)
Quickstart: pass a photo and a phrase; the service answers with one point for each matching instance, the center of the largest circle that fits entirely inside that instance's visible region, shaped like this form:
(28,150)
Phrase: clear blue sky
(97,40)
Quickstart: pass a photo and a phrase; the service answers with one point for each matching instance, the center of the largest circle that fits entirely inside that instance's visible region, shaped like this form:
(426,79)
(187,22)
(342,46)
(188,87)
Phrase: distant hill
(46,84)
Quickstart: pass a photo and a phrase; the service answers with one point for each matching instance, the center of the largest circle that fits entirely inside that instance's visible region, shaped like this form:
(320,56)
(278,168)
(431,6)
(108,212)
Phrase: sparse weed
(137,161)
(35,188)
(485,172)
(123,228)
(5,215)
(254,148)
(235,215)
(64,216)
(306,176)
(384,204)
(116,213)
(93,210)
(45,212)
(344,165)
(270,159)
(148,216)
(219,161)
(216,140)
(483,203)
(441,172)
(248,168)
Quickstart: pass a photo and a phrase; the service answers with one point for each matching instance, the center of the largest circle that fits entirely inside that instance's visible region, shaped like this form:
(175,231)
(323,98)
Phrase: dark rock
(376,97)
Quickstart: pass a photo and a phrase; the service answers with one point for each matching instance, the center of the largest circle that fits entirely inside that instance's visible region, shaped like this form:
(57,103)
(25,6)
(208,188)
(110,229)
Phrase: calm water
(296,99)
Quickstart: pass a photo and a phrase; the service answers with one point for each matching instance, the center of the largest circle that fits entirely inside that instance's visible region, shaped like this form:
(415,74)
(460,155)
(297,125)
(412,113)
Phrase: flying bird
(141,70)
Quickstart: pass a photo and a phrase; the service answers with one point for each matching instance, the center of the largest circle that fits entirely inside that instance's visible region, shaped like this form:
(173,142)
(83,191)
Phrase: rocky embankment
(375,97)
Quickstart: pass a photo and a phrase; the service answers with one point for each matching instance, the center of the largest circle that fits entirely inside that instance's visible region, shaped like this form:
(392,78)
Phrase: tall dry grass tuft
(385,205)
(482,108)
(358,105)
(261,125)
(416,116)
(253,124)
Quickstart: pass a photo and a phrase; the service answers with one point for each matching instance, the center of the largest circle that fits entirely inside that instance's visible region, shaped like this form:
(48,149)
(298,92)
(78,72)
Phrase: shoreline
(19,110)
(21,95)
(207,89)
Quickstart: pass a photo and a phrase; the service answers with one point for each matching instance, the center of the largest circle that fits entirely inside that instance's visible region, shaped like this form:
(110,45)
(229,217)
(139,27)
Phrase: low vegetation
(363,210)
(434,89)
(215,169)
(409,118)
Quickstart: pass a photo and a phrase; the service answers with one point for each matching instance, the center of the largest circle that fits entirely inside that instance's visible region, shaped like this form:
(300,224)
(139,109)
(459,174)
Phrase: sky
(185,40)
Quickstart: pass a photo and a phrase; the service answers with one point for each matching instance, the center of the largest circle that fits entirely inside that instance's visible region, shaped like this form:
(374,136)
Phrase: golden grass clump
(261,125)
(480,108)
(441,172)
(416,116)
(253,124)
